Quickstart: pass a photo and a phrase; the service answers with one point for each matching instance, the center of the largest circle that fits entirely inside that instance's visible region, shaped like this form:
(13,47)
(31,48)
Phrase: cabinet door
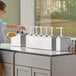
(22,71)
(39,72)
(7,69)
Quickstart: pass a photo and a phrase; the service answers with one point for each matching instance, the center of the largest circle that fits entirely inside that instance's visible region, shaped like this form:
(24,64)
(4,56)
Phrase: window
(57,13)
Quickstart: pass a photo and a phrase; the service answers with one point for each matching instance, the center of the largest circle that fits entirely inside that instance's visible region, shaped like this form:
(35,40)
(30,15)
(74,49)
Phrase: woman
(5,25)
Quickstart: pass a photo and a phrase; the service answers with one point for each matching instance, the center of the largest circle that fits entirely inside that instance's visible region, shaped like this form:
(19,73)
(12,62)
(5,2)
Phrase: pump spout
(41,31)
(51,31)
(61,30)
(46,31)
(35,30)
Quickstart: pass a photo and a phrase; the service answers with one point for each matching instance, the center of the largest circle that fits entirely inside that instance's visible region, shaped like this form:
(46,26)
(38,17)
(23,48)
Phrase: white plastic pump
(61,30)
(51,31)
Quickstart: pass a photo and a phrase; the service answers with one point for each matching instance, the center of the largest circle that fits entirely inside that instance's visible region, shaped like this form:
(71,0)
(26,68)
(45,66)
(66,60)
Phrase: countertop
(8,47)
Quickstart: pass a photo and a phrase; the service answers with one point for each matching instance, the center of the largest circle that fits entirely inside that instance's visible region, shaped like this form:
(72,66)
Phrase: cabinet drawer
(33,60)
(6,56)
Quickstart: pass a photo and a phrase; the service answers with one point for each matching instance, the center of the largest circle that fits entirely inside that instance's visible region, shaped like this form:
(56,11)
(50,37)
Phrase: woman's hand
(10,34)
(21,27)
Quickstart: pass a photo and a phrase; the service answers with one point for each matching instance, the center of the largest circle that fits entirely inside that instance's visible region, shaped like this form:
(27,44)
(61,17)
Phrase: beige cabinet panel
(7,69)
(6,56)
(33,60)
(39,72)
(64,65)
(22,71)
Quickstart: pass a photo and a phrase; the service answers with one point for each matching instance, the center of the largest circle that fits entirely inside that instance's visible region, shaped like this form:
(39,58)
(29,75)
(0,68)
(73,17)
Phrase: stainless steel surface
(33,51)
(62,43)
(19,40)
(41,42)
(46,42)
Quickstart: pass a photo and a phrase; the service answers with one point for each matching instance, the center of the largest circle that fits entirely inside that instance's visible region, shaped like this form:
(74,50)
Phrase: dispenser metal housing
(19,40)
(41,42)
(62,43)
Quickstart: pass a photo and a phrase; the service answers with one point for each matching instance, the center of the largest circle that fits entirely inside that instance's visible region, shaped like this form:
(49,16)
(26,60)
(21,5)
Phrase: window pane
(57,13)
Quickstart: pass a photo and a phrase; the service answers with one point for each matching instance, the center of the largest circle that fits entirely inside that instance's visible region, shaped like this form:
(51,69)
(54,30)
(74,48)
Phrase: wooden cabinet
(39,72)
(22,71)
(0,69)
(7,69)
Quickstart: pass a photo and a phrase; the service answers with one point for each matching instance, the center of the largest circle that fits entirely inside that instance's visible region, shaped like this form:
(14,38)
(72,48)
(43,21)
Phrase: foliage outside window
(57,13)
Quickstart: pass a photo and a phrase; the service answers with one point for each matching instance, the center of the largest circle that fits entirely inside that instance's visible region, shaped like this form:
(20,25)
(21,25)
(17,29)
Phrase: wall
(27,13)
(12,15)
(13,12)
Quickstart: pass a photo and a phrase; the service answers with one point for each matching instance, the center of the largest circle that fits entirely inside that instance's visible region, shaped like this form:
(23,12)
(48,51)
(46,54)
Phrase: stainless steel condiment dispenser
(19,39)
(62,42)
(41,41)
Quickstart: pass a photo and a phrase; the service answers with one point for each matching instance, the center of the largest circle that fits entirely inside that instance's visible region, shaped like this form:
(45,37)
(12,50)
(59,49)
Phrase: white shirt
(2,26)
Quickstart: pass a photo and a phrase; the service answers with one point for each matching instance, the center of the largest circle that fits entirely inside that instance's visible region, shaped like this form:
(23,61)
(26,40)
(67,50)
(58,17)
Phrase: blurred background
(57,13)
(47,13)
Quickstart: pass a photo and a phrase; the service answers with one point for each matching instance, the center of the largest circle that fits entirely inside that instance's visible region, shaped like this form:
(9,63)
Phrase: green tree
(71,9)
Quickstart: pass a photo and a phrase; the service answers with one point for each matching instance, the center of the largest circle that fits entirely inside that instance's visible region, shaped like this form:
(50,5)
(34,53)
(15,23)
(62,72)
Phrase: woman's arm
(16,26)
(11,34)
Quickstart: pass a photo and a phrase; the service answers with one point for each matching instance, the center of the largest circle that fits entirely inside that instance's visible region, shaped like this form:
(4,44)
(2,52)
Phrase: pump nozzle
(51,31)
(35,30)
(46,33)
(31,30)
(61,30)
(41,30)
